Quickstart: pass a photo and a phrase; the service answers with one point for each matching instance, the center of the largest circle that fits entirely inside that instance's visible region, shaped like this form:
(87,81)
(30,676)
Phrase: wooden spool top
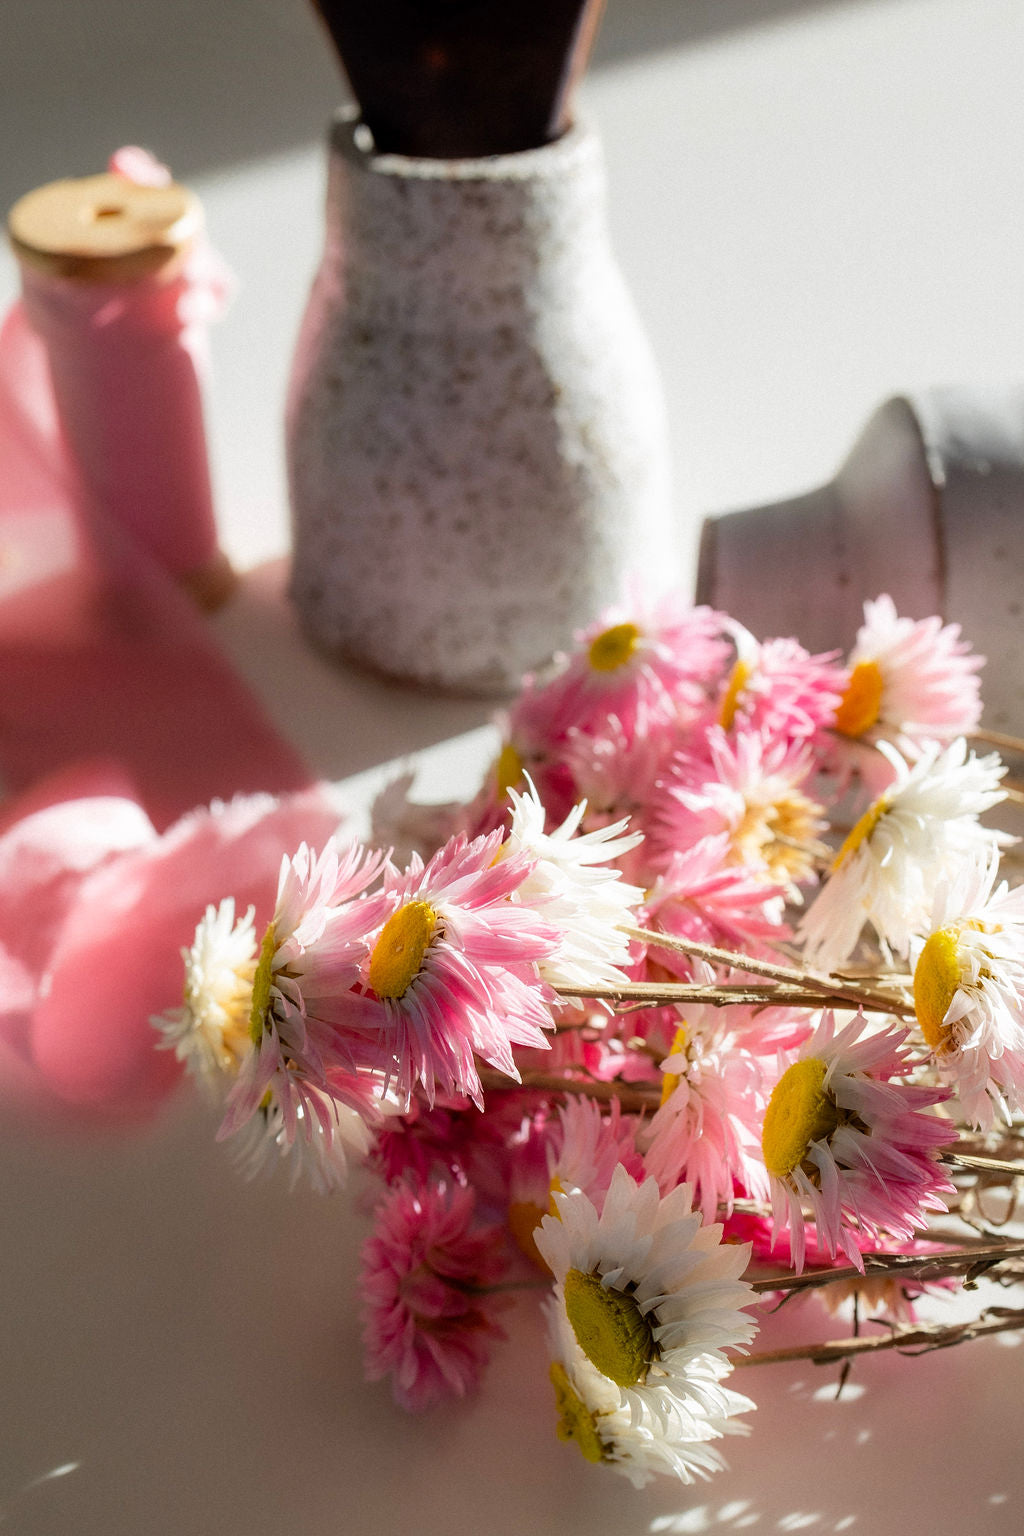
(104,228)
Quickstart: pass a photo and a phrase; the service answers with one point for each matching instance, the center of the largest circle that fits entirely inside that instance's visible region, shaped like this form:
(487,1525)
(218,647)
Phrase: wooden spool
(104,228)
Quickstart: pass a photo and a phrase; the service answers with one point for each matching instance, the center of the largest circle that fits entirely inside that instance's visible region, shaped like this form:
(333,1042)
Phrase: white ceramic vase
(476,435)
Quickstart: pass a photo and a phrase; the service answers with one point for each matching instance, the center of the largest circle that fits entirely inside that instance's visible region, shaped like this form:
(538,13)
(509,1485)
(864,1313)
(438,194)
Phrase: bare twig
(659,993)
(833,987)
(920,1339)
(899,1266)
(633,1097)
(999,740)
(982,1164)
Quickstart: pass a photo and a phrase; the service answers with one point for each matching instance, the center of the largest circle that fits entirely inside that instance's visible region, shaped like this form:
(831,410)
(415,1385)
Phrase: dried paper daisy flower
(572,888)
(911,682)
(777,687)
(751,788)
(649,663)
(636,1444)
(427,1270)
(847,1138)
(451,975)
(653,1298)
(249,1026)
(706,1129)
(969,989)
(911,838)
(209,1033)
(310,950)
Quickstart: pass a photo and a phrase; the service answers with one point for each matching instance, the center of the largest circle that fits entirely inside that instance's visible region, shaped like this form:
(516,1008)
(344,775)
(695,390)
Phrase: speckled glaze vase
(476,435)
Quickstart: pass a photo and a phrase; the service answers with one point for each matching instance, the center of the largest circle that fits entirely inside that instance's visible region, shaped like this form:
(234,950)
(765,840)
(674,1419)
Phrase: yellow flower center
(779,832)
(861,703)
(861,831)
(398,953)
(556,1187)
(613,647)
(261,984)
(739,677)
(800,1111)
(610,1329)
(508,769)
(936,978)
(670,1080)
(524,1217)
(575,1420)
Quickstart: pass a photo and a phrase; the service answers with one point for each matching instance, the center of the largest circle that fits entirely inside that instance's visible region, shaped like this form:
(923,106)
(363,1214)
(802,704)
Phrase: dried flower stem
(831,986)
(920,1339)
(658,993)
(632,1096)
(983,1164)
(902,1266)
(999,740)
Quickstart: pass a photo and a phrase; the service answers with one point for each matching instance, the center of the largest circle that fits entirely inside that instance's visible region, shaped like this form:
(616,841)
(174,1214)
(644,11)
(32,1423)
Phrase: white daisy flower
(573,889)
(637,1445)
(209,1033)
(250,1025)
(910,838)
(969,989)
(653,1298)
(327,1133)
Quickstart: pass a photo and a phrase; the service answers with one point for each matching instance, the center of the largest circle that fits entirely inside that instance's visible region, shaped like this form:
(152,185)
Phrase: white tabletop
(816,206)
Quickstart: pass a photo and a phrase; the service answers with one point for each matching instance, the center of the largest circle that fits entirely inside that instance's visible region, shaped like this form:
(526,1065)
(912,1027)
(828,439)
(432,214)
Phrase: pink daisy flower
(777,687)
(632,663)
(911,682)
(707,1131)
(424,1269)
(845,1137)
(452,973)
(617,774)
(752,789)
(700,895)
(589,1146)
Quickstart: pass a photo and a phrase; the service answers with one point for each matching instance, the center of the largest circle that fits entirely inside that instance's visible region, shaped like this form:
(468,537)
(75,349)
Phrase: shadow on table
(343,720)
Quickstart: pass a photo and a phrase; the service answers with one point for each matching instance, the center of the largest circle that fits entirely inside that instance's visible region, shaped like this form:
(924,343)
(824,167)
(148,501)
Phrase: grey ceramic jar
(476,436)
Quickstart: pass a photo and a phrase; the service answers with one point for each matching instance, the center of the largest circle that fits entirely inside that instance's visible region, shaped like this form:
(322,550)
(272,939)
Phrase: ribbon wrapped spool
(118,282)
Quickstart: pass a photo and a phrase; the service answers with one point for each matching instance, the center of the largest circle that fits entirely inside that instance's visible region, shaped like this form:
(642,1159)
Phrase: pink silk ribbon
(118,715)
(102,656)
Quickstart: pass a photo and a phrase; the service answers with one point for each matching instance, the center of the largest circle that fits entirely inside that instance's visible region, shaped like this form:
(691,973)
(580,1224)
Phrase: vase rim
(351,138)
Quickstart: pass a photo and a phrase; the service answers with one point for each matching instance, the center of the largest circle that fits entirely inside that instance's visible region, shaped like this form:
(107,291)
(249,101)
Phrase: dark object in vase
(445,79)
